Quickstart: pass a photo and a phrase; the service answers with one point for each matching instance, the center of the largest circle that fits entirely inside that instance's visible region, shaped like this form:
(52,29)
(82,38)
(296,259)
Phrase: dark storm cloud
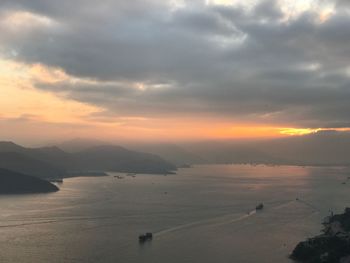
(222,61)
(267,10)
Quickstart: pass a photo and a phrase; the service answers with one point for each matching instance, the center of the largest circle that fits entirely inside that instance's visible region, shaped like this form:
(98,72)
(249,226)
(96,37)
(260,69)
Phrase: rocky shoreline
(332,246)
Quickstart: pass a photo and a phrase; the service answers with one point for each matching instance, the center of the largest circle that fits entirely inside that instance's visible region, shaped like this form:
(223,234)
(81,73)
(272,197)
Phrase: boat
(145,237)
(56,180)
(259,206)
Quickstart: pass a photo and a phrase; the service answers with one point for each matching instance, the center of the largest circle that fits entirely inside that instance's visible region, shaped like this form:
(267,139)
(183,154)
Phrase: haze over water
(202,214)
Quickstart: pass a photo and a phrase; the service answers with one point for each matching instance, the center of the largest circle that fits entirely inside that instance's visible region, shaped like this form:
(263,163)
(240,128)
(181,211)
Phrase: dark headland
(17,183)
(333,246)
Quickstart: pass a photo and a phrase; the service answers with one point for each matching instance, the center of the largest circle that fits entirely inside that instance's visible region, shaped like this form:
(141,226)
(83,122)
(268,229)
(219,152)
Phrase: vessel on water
(259,206)
(145,237)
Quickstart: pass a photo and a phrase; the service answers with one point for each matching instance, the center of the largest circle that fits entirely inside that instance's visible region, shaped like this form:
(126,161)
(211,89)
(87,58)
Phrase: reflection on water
(202,214)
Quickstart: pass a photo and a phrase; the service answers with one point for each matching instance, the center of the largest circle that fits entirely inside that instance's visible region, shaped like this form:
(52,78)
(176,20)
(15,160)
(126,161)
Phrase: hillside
(116,158)
(17,183)
(52,162)
(23,163)
(171,152)
(79,144)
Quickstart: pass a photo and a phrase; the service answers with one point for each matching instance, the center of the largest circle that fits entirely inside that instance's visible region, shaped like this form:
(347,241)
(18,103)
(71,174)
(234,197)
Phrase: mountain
(50,155)
(6,146)
(79,144)
(234,152)
(319,149)
(22,163)
(170,152)
(17,183)
(52,162)
(54,156)
(117,158)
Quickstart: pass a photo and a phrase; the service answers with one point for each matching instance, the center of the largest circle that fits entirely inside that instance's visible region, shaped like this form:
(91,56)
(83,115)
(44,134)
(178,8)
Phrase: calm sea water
(202,214)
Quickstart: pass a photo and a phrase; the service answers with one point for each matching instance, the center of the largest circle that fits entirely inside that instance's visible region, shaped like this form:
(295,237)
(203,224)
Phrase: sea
(202,214)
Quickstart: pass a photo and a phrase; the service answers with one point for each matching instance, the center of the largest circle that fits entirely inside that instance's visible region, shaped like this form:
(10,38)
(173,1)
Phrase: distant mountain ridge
(79,144)
(324,148)
(171,152)
(123,160)
(52,162)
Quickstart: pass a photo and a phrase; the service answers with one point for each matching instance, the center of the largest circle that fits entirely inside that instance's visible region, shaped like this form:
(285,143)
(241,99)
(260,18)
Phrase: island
(332,246)
(17,183)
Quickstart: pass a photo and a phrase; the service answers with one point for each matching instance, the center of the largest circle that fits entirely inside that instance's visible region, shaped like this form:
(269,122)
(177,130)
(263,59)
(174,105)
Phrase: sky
(173,70)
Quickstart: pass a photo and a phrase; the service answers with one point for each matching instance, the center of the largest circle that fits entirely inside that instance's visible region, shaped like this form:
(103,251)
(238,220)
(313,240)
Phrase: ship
(259,206)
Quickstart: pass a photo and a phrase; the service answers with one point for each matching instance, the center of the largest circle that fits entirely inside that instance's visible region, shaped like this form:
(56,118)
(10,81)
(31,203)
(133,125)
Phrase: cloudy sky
(157,69)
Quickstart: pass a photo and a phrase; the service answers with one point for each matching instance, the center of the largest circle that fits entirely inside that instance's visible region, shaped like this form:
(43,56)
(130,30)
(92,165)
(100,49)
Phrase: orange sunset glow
(43,110)
(143,94)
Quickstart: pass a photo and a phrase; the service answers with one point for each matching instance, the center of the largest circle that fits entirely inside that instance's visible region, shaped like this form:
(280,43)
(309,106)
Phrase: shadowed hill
(79,144)
(50,155)
(22,163)
(171,152)
(17,183)
(168,151)
(116,158)
(52,162)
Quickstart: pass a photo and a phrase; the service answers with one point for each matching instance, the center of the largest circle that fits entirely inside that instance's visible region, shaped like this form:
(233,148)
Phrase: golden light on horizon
(297,131)
(43,111)
(305,131)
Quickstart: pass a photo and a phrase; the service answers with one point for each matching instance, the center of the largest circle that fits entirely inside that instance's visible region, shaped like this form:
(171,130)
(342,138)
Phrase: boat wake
(13,223)
(217,221)
(227,219)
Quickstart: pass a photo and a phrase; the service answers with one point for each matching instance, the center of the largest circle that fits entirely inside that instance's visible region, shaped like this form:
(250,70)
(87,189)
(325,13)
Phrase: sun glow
(297,131)
(24,107)
(305,131)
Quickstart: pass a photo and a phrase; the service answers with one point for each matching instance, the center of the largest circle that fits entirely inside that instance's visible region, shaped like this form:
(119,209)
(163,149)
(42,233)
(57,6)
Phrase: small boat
(259,206)
(56,180)
(145,237)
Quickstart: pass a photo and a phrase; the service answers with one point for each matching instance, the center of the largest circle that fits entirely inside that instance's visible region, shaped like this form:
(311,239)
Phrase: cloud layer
(268,62)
